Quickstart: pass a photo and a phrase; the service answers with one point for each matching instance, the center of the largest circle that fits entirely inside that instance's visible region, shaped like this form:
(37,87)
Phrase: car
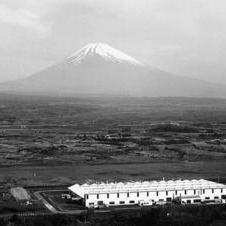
(209,202)
(96,206)
(73,198)
(65,196)
(160,203)
(218,201)
(145,202)
(99,205)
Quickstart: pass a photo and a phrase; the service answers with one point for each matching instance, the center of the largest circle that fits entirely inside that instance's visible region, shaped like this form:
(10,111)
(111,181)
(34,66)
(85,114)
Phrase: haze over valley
(99,69)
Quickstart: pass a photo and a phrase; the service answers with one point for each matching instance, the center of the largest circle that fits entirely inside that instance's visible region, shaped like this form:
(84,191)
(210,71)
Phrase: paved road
(47,204)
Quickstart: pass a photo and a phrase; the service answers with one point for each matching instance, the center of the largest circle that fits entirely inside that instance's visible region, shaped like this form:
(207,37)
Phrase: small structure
(20,194)
(149,192)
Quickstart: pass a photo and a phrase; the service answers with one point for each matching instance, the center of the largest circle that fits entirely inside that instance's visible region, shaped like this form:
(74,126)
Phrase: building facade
(149,192)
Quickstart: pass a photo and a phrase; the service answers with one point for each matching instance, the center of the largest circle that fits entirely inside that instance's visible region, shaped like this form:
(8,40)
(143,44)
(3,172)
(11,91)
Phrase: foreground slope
(100,69)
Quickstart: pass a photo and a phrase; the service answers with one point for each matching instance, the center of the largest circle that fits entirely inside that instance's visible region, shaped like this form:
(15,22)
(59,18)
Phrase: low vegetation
(194,215)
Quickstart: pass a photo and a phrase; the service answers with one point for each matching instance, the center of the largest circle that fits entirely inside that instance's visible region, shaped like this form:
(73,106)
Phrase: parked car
(160,203)
(65,196)
(209,202)
(145,202)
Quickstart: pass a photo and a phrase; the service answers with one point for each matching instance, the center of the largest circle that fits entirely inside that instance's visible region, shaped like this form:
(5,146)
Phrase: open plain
(49,140)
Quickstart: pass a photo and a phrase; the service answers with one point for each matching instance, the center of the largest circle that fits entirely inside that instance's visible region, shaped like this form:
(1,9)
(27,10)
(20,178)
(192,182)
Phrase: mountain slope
(100,69)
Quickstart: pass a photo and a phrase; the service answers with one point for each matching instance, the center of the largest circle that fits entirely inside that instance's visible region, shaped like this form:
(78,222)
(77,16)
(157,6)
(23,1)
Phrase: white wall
(113,197)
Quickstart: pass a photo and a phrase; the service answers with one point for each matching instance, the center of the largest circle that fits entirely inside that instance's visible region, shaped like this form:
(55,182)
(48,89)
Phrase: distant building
(149,192)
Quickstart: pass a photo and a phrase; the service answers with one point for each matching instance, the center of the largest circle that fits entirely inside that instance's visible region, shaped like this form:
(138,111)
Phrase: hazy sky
(187,37)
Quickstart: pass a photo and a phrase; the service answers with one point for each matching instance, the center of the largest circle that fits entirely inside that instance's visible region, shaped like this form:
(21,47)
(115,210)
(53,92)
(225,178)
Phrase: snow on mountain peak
(103,50)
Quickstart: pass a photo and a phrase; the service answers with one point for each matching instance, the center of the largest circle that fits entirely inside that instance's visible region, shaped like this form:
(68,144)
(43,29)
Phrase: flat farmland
(44,131)
(57,175)
(60,141)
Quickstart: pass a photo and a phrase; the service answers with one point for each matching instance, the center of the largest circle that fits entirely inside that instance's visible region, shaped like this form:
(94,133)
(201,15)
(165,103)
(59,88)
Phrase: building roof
(163,185)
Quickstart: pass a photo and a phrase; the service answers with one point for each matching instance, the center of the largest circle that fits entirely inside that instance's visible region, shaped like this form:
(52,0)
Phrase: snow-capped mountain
(100,69)
(104,51)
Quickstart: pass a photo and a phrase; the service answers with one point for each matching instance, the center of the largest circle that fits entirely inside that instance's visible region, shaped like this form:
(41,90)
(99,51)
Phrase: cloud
(23,18)
(183,36)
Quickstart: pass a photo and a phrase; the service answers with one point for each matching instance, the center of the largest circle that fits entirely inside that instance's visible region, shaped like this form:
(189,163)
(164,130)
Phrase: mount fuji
(104,51)
(99,69)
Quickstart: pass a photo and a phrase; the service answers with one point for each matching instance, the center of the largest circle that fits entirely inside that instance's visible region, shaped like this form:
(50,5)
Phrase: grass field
(46,140)
(66,131)
(39,175)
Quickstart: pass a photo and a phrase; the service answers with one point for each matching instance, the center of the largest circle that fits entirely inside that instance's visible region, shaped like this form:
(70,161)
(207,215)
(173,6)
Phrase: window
(91,204)
(194,192)
(207,198)
(188,201)
(147,193)
(131,201)
(168,199)
(87,196)
(212,190)
(121,202)
(197,200)
(185,192)
(108,196)
(128,194)
(157,193)
(117,195)
(203,191)
(97,196)
(216,197)
(221,190)
(166,192)
(138,194)
(111,203)
(176,192)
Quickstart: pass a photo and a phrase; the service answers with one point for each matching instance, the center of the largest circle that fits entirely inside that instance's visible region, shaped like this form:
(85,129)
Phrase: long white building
(149,192)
